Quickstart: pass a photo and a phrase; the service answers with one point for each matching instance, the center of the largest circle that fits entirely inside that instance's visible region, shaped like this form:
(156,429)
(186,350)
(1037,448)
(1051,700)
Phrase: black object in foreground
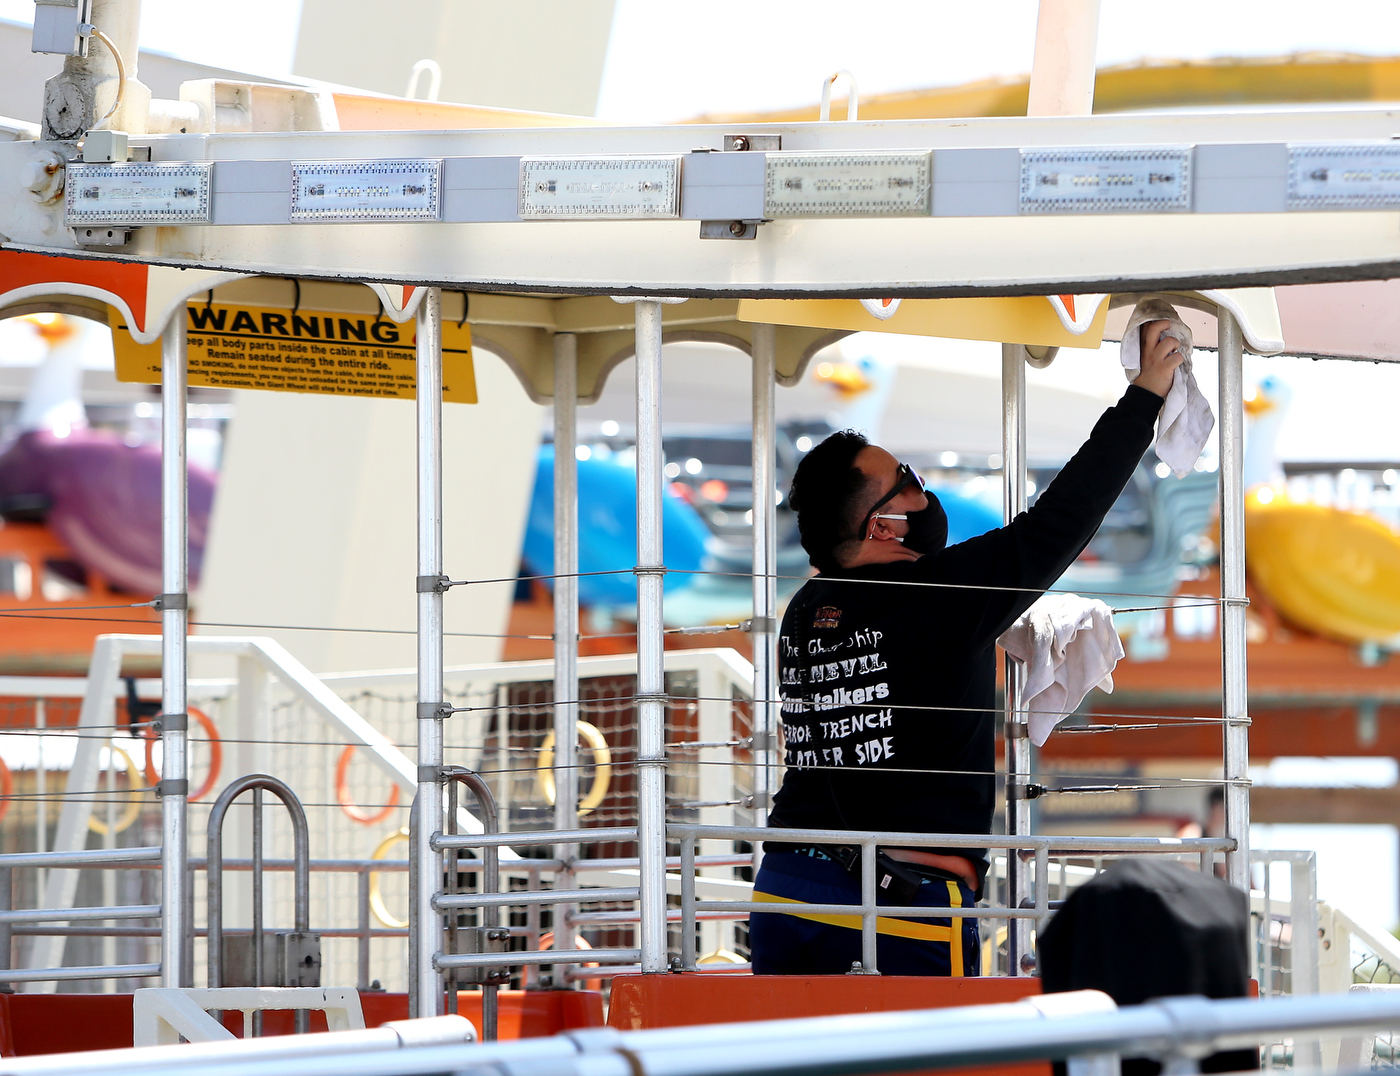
(1150,928)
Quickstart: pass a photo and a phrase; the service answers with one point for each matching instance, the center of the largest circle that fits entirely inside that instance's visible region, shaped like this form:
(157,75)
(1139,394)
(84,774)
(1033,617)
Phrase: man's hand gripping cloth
(1068,646)
(1186,420)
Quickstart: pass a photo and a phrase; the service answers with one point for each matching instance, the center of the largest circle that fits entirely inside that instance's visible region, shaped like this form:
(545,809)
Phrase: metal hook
(852,102)
(296,301)
(466,306)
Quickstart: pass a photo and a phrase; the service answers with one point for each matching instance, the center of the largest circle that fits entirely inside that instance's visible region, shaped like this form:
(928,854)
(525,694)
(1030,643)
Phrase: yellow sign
(1024,319)
(233,346)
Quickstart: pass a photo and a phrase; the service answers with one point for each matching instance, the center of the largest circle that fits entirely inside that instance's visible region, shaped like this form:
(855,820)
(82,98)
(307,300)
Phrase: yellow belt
(900,928)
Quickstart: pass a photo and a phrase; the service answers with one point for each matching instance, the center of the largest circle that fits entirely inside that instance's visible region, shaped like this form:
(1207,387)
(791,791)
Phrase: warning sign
(283,350)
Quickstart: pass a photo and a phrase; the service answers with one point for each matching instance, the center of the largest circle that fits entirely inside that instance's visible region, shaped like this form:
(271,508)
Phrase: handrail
(540,956)
(214,876)
(97,857)
(70,972)
(1053,845)
(1380,942)
(1040,846)
(1053,1027)
(532,838)
(490,884)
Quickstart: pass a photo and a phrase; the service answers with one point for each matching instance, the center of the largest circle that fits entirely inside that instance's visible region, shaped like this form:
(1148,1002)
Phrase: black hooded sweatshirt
(888,691)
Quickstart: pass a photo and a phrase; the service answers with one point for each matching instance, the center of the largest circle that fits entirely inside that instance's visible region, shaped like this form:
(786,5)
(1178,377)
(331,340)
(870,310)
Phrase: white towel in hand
(1068,646)
(1184,425)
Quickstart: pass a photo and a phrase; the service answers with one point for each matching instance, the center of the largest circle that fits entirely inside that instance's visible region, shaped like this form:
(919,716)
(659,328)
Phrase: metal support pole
(1233,659)
(174,621)
(869,923)
(651,677)
(363,921)
(1018,744)
(688,955)
(6,930)
(566,708)
(765,570)
(430,628)
(259,901)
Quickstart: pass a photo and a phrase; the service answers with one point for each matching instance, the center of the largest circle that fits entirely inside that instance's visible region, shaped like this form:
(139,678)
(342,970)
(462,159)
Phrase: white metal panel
(922,256)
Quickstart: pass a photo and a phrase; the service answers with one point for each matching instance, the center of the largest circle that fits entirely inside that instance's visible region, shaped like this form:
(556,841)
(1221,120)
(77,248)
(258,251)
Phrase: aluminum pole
(651,677)
(174,623)
(1233,658)
(566,709)
(1018,744)
(765,569)
(430,595)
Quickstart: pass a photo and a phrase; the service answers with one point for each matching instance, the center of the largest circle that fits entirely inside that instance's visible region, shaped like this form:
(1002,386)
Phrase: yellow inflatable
(1331,571)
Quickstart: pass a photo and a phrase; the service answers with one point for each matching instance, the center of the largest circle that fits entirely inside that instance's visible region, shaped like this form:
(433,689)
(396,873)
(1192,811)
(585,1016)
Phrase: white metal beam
(1237,232)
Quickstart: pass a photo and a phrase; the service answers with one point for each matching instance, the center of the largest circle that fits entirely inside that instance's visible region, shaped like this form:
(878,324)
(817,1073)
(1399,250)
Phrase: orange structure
(51,608)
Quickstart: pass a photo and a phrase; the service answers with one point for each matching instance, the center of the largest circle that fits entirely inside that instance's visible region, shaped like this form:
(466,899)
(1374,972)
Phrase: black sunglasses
(904,476)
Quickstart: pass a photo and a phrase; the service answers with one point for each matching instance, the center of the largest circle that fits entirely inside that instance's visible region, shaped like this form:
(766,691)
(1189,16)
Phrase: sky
(784,50)
(674,60)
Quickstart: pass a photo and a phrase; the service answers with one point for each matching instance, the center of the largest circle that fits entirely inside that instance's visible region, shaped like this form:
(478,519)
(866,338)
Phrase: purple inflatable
(103,501)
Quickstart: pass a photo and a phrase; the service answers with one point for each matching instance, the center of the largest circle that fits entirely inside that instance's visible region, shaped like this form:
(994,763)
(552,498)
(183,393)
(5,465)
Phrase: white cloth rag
(1068,646)
(1184,425)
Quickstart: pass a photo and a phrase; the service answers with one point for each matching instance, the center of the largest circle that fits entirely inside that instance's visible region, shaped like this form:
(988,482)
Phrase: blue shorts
(827,945)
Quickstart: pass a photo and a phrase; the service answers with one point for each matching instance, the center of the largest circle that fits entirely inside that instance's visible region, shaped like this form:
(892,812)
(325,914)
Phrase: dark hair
(826,495)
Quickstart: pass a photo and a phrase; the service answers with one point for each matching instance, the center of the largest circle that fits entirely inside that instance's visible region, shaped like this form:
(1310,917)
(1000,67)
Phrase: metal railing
(1084,1026)
(28,921)
(446,962)
(257,783)
(1035,906)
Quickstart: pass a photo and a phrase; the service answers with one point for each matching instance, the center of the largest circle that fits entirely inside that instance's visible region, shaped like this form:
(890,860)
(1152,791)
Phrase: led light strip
(138,193)
(600,188)
(1105,180)
(1365,175)
(359,191)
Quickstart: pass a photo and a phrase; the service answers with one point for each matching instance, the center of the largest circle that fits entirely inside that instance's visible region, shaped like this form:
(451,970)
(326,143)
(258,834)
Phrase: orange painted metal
(68,1023)
(648,1001)
(55,635)
(52,275)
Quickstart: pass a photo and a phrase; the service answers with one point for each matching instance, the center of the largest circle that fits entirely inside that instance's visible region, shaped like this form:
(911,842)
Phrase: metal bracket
(658,569)
(763,741)
(172,722)
(430,775)
(759,624)
(1018,730)
(98,236)
(433,584)
(170,786)
(739,143)
(729,229)
(482,940)
(427,711)
(758,800)
(858,969)
(162,602)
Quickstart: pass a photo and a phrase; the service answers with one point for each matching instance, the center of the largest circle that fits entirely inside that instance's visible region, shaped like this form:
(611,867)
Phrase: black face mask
(928,529)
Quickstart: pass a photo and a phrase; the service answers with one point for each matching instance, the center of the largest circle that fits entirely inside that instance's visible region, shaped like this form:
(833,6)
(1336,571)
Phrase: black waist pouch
(895,882)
